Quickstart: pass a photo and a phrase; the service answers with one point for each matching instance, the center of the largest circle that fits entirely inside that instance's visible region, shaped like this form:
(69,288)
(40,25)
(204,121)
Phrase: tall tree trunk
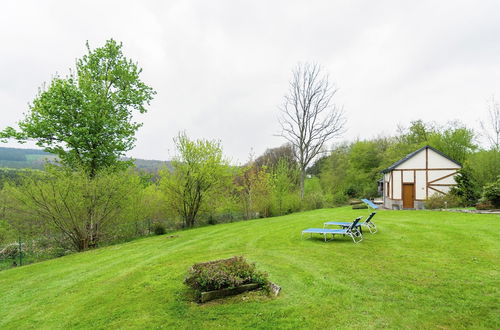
(302,178)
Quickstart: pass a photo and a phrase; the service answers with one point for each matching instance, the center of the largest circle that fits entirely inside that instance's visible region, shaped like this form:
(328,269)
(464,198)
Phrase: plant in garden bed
(439,201)
(225,274)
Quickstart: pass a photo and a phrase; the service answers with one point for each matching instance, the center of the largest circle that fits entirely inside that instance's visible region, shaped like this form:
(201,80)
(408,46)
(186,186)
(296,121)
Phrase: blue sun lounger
(367,223)
(351,231)
(369,203)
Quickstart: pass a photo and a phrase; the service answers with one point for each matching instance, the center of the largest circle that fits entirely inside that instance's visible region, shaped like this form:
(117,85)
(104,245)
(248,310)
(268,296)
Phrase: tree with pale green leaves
(198,170)
(284,177)
(86,118)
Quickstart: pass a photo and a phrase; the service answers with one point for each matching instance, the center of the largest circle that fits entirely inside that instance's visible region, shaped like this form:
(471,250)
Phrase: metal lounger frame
(367,223)
(352,231)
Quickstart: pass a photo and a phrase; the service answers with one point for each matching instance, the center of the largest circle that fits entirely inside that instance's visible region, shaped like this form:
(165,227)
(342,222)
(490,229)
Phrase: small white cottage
(410,181)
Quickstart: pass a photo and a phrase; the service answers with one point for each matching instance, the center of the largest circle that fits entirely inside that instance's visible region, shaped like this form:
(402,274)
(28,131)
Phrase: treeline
(14,154)
(61,209)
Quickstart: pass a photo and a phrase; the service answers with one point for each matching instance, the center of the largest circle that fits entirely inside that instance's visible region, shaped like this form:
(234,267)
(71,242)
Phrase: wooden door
(408,195)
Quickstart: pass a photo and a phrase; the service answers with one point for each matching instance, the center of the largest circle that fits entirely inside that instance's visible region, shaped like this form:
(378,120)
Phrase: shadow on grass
(318,239)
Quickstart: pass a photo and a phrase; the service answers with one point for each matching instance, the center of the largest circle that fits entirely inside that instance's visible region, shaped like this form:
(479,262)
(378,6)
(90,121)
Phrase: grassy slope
(423,269)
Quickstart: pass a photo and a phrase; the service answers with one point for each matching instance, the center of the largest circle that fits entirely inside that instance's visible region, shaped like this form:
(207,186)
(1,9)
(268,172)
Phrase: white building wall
(448,180)
(420,185)
(438,161)
(387,190)
(396,190)
(436,174)
(417,161)
(408,177)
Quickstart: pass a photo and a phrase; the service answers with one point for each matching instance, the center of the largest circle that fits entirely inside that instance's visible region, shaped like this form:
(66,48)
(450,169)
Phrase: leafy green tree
(314,197)
(284,177)
(6,231)
(86,119)
(315,169)
(416,134)
(254,189)
(333,173)
(352,170)
(199,169)
(467,189)
(485,166)
(456,141)
(491,193)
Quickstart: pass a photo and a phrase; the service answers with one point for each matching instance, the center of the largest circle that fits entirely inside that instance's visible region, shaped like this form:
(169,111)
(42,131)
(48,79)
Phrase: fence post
(20,252)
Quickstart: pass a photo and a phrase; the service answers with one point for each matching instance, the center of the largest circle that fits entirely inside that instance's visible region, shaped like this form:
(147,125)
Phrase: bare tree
(309,116)
(492,131)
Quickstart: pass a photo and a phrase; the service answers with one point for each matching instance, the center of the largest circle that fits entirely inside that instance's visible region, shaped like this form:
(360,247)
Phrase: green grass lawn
(422,269)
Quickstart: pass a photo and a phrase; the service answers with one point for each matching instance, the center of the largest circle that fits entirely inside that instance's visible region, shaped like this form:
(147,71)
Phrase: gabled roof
(401,161)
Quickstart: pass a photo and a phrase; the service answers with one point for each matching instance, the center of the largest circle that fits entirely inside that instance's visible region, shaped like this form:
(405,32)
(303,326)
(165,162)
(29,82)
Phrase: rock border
(211,295)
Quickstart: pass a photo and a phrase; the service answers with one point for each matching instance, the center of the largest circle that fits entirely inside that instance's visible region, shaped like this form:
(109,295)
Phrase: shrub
(313,195)
(359,206)
(466,189)
(313,201)
(212,220)
(159,229)
(289,203)
(484,205)
(10,251)
(339,198)
(439,201)
(491,194)
(225,273)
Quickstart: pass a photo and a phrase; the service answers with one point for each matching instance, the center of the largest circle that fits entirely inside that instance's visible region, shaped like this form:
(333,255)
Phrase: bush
(313,201)
(225,273)
(491,194)
(484,205)
(212,220)
(290,203)
(339,198)
(159,229)
(439,201)
(314,197)
(359,206)
(10,251)
(466,190)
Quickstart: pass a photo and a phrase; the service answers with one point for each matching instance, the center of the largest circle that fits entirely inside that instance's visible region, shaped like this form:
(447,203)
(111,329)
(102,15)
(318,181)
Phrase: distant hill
(36,159)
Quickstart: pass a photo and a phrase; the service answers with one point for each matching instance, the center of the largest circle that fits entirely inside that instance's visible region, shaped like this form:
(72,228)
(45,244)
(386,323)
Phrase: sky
(222,68)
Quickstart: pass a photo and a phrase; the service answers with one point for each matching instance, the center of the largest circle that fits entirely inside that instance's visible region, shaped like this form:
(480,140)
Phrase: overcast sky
(221,68)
